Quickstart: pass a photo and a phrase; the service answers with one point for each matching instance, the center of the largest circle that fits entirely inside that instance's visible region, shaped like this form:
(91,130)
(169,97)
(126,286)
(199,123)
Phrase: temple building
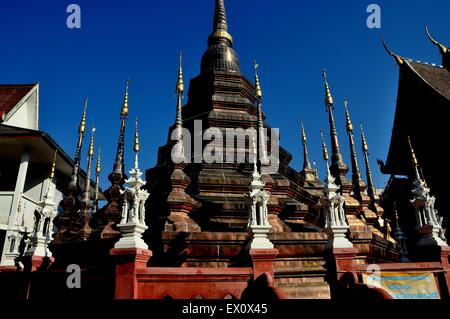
(223,215)
(420,119)
(27,157)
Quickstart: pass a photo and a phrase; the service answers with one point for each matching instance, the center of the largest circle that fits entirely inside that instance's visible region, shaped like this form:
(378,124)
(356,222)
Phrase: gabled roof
(435,76)
(11,94)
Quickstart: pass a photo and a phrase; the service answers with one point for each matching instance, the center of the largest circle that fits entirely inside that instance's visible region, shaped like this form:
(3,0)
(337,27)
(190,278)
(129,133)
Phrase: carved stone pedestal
(131,236)
(259,237)
(337,238)
(128,262)
(263,260)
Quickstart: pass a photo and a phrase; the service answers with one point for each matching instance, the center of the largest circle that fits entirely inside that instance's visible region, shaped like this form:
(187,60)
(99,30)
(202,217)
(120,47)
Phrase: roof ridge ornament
(442,48)
(398,59)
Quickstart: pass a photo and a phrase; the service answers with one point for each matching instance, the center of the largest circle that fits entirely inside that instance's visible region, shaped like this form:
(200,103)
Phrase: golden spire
(82,127)
(328,97)
(98,168)
(52,171)
(136,137)
(441,47)
(180,83)
(347,114)
(324,147)
(413,154)
(306,163)
(258,91)
(304,140)
(124,111)
(365,148)
(220,26)
(91,145)
(398,59)
(370,186)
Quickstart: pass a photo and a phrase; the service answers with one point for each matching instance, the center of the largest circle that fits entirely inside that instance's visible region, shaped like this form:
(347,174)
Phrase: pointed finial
(91,144)
(52,172)
(124,111)
(365,147)
(98,167)
(441,47)
(82,127)
(304,140)
(324,147)
(328,97)
(413,153)
(347,114)
(136,137)
(258,91)
(398,59)
(220,25)
(180,83)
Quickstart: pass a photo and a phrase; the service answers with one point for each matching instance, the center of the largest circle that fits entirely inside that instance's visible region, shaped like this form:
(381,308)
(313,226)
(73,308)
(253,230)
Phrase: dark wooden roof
(422,112)
(437,77)
(10,95)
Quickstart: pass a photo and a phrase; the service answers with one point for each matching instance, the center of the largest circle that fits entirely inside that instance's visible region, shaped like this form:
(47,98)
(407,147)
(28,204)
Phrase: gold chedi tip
(180,83)
(413,153)
(328,97)
(82,128)
(349,125)
(365,147)
(258,90)
(124,111)
(91,144)
(304,140)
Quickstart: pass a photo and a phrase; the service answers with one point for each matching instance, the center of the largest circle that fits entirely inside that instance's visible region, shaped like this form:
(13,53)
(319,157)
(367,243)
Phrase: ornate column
(40,236)
(429,225)
(132,225)
(333,207)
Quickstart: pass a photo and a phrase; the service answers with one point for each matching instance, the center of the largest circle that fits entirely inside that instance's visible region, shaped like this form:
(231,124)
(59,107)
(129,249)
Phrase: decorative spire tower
(43,222)
(67,221)
(338,168)
(333,208)
(365,148)
(178,154)
(180,204)
(132,224)
(308,172)
(429,224)
(358,184)
(114,194)
(261,154)
(86,230)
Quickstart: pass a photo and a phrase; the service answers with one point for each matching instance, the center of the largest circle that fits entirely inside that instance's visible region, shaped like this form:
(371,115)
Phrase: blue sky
(291,39)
